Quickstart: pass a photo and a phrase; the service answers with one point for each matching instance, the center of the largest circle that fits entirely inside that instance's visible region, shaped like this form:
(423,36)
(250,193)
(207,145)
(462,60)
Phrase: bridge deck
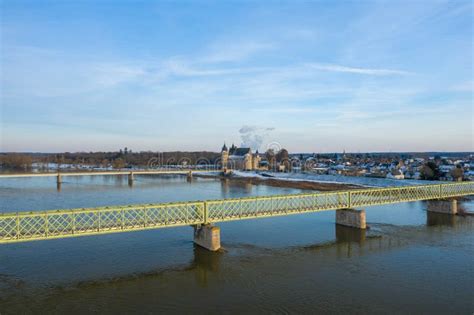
(27,226)
(102,173)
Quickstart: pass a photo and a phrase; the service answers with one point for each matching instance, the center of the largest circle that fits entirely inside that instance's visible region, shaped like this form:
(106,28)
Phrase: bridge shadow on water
(240,269)
(348,242)
(205,263)
(440,219)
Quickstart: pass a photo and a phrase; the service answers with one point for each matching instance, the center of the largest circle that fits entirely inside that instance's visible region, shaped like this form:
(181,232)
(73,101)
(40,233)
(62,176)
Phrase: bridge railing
(241,208)
(457,189)
(23,226)
(391,195)
(66,223)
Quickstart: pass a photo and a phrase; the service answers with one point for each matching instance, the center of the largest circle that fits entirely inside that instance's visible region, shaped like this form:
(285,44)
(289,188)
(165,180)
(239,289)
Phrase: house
(395,173)
(239,158)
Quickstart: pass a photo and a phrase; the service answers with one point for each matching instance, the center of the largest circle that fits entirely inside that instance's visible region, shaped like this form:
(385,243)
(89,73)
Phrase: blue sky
(319,76)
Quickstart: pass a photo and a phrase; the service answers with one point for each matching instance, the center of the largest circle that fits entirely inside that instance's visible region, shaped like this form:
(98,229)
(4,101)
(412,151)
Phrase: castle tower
(232,149)
(256,161)
(248,162)
(224,157)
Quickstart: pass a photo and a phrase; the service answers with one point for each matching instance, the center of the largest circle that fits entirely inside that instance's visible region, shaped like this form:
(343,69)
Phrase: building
(239,158)
(395,173)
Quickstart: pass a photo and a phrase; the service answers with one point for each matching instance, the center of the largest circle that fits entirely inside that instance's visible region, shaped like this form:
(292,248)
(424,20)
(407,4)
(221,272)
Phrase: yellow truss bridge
(41,225)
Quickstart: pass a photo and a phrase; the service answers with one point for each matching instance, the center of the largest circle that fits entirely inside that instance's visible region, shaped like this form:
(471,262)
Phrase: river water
(408,261)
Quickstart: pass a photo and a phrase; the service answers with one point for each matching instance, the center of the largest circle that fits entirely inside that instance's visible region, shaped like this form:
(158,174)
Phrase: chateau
(239,158)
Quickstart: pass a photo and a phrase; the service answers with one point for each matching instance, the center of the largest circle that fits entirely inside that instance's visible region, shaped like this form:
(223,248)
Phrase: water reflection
(346,234)
(43,193)
(205,263)
(119,180)
(225,187)
(463,218)
(356,266)
(436,219)
(232,188)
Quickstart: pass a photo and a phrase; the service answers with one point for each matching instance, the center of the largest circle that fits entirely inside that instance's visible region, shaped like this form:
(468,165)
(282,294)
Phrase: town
(456,166)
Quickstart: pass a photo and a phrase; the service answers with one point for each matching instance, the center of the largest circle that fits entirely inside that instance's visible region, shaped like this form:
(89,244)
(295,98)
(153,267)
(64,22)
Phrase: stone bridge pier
(59,181)
(446,206)
(351,218)
(207,236)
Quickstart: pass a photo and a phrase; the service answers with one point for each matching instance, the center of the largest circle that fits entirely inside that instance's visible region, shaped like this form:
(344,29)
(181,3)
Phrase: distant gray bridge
(129,173)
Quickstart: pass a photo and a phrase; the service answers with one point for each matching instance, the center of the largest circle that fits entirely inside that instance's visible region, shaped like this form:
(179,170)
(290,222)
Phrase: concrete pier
(351,217)
(189,176)
(447,206)
(207,236)
(59,181)
(131,178)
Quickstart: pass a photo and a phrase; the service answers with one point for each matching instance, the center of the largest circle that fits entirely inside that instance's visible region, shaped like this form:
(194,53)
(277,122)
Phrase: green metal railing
(38,225)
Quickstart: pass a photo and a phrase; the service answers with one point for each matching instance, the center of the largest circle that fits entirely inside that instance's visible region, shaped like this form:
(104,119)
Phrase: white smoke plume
(253,136)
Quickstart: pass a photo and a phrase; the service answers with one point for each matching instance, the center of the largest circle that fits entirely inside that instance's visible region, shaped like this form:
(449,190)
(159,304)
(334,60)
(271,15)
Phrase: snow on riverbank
(332,179)
(208,173)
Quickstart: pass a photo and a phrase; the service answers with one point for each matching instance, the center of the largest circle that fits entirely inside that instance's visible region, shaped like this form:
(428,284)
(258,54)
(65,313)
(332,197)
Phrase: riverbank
(298,184)
(284,182)
(304,180)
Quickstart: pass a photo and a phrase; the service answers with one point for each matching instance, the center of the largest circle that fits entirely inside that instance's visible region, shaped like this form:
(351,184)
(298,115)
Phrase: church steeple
(224,148)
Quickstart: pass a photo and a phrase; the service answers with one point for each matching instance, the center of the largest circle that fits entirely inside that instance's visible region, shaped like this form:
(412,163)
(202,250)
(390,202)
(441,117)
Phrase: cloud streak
(184,68)
(302,72)
(236,51)
(467,86)
(356,70)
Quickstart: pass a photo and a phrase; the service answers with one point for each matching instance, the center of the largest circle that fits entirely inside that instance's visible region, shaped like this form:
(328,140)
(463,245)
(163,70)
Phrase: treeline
(274,159)
(431,171)
(127,158)
(120,159)
(16,161)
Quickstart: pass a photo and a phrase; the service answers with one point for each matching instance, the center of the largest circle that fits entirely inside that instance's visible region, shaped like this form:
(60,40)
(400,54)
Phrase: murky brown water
(410,261)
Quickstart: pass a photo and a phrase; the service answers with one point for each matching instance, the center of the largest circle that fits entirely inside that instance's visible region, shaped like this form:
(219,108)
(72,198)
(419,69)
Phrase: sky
(309,76)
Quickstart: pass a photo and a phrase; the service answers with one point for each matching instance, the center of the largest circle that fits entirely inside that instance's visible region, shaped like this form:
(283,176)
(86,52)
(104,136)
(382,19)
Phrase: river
(408,261)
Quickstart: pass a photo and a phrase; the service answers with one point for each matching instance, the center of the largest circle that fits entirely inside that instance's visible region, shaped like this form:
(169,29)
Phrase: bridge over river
(130,173)
(43,225)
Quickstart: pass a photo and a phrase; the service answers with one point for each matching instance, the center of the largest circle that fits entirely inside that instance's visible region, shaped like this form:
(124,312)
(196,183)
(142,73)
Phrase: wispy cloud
(235,51)
(356,70)
(464,87)
(376,69)
(108,75)
(287,110)
(184,68)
